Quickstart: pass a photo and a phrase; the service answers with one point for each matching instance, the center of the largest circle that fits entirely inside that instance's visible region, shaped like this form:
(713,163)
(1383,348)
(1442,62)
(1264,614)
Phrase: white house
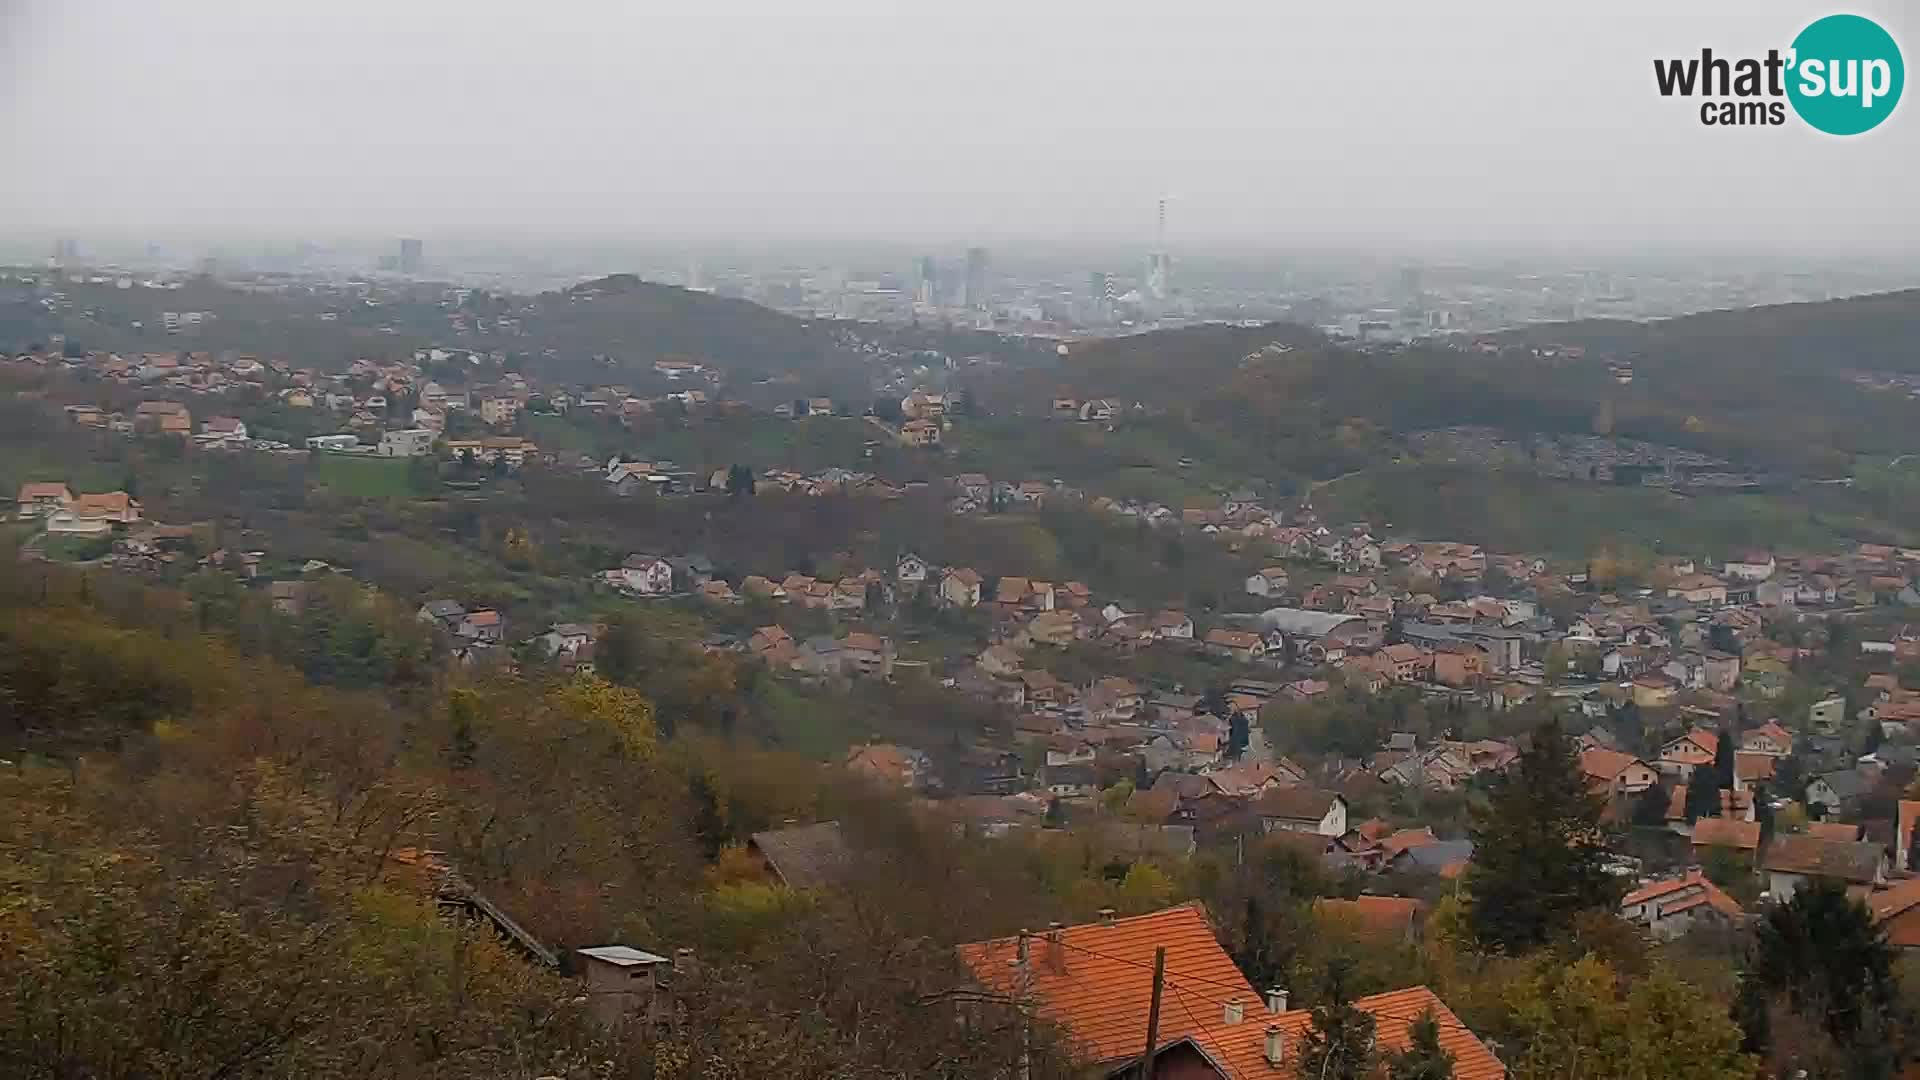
(224,427)
(1269,582)
(1173,624)
(566,637)
(910,569)
(1753,566)
(71,523)
(961,587)
(334,443)
(648,575)
(1068,750)
(406,442)
(1302,809)
(1670,908)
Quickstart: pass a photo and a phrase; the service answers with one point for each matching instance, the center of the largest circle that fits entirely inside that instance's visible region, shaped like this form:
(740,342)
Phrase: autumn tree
(1540,850)
(1583,1019)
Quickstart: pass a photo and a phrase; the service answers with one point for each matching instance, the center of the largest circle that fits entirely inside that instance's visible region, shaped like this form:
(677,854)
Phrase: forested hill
(638,322)
(1877,332)
(609,329)
(1803,388)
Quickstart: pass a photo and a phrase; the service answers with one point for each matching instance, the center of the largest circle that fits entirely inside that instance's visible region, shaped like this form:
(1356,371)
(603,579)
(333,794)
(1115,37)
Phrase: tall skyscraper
(1159,265)
(412,255)
(975,293)
(927,290)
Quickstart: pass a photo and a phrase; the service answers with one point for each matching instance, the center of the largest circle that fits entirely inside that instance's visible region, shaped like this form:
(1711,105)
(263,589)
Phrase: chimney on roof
(1232,1012)
(1276,1000)
(1056,950)
(1276,1049)
(1021,954)
(1106,916)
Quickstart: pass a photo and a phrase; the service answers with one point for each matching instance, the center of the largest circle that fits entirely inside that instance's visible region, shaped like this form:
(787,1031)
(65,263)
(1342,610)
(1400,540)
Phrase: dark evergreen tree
(1237,735)
(1424,1058)
(1540,850)
(1823,956)
(1650,807)
(1708,781)
(709,825)
(1723,762)
(1214,702)
(1339,1041)
(462,707)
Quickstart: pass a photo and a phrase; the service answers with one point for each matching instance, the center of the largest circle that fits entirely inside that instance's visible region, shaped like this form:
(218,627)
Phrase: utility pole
(1153,1012)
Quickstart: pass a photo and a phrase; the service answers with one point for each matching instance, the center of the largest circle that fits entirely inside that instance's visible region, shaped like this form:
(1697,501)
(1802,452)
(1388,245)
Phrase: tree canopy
(1540,850)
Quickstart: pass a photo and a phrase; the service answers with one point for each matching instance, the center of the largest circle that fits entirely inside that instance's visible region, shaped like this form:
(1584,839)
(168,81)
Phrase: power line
(1205,1029)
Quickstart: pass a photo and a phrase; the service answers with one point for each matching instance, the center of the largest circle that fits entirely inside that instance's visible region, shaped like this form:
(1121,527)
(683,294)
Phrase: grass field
(1137,460)
(361,476)
(76,548)
(1518,511)
(21,464)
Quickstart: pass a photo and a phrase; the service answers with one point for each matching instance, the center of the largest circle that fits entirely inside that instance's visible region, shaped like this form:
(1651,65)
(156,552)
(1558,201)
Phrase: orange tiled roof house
(1094,981)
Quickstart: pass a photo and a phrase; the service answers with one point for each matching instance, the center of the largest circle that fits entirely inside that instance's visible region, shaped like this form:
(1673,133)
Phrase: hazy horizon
(1483,129)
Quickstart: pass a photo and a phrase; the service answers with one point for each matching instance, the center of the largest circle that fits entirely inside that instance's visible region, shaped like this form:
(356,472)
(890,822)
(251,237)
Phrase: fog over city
(1394,128)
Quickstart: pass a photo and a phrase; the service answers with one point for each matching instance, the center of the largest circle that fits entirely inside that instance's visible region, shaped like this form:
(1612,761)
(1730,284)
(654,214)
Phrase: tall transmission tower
(1159,265)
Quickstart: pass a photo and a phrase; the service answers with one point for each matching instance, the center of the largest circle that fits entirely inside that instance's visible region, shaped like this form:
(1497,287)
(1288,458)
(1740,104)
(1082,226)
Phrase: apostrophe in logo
(1842,75)
(1846,74)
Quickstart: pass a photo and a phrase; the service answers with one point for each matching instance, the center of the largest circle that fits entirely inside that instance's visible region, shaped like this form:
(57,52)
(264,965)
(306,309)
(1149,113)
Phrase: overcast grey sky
(1391,124)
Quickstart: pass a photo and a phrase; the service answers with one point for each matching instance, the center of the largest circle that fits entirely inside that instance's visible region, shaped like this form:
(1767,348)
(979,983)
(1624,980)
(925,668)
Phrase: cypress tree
(1540,850)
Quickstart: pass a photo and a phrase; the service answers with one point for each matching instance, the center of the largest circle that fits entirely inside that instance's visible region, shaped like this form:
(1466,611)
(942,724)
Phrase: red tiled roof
(1096,982)
(1727,832)
(1893,903)
(1711,895)
(1852,861)
(1408,838)
(1295,803)
(1603,764)
(107,502)
(53,490)
(1381,914)
(1708,741)
(1834,830)
(1241,1048)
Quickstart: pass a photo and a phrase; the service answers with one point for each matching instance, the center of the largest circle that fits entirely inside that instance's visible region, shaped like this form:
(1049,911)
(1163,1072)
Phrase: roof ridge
(1197,906)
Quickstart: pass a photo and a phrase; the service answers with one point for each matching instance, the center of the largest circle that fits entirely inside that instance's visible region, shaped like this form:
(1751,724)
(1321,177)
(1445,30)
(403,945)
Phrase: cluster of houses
(476,631)
(63,513)
(853,654)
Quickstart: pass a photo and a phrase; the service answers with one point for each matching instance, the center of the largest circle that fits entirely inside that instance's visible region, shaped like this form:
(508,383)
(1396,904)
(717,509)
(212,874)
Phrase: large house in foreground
(1094,981)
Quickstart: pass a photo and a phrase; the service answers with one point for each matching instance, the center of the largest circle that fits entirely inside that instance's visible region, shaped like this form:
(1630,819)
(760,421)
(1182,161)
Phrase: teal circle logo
(1846,74)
